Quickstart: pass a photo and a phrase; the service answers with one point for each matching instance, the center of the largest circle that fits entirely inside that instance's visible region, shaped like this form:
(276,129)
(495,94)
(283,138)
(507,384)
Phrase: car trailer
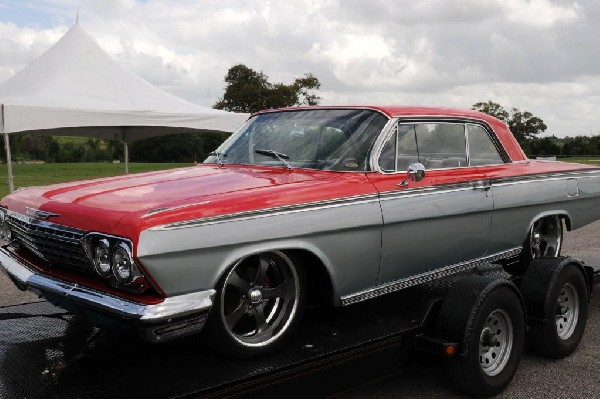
(476,321)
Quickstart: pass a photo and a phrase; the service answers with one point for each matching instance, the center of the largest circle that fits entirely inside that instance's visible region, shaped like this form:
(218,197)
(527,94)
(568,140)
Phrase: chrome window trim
(412,119)
(369,164)
(467,145)
(412,281)
(495,141)
(381,139)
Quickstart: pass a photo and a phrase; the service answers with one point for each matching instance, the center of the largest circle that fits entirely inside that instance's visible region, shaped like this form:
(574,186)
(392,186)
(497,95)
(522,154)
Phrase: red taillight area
(147,295)
(450,350)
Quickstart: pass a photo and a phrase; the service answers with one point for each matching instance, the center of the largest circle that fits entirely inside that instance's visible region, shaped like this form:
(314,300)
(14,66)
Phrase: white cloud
(540,13)
(539,55)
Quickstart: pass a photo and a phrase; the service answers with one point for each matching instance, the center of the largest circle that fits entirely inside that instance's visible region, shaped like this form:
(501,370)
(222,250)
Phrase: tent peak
(77,73)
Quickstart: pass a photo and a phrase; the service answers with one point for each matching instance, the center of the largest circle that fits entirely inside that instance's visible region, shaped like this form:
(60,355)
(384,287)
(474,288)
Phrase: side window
(400,150)
(482,150)
(441,145)
(435,145)
(387,159)
(438,146)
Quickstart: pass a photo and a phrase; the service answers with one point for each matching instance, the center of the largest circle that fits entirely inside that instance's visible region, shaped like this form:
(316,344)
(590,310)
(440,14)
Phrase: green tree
(249,91)
(494,109)
(523,124)
(34,146)
(187,147)
(581,145)
(545,146)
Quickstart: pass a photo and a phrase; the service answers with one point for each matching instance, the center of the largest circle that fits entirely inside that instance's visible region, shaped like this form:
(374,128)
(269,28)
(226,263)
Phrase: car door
(442,220)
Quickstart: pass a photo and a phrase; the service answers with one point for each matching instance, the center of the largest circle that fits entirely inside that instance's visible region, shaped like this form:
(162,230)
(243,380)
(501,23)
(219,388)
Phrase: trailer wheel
(485,315)
(556,297)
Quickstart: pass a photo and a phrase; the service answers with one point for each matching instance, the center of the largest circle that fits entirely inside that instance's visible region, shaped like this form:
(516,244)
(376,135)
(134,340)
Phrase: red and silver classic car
(318,205)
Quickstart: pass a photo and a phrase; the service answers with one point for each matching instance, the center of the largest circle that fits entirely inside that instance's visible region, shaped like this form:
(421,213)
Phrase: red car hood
(124,205)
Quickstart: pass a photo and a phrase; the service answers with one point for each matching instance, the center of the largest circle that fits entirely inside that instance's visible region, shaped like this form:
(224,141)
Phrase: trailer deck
(47,353)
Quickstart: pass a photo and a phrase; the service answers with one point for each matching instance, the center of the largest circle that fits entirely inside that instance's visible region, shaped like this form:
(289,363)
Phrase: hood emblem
(37,214)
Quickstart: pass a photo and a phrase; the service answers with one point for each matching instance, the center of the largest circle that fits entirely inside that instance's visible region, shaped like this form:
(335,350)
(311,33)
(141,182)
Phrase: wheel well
(561,216)
(567,220)
(320,289)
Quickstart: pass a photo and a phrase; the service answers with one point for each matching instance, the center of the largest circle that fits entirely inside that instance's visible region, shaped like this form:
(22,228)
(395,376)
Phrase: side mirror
(415,172)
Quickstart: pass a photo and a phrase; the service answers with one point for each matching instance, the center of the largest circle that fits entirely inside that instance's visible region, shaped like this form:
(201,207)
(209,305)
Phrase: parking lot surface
(573,377)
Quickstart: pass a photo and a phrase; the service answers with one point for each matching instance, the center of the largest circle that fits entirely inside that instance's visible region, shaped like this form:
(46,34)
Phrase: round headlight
(102,258)
(122,266)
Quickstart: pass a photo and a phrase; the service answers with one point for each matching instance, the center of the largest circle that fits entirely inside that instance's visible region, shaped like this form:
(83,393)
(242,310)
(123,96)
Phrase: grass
(42,174)
(47,173)
(590,160)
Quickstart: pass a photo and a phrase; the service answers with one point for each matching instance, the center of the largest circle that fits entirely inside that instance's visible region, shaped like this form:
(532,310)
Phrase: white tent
(77,89)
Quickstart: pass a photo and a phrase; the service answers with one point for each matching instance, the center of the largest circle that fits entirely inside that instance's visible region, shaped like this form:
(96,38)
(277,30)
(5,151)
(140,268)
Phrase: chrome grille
(58,245)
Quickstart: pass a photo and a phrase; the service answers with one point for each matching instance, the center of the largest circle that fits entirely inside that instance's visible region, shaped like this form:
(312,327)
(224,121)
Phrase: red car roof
(395,111)
(398,110)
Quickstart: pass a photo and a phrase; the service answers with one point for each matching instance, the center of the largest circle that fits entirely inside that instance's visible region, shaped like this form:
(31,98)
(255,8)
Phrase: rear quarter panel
(552,188)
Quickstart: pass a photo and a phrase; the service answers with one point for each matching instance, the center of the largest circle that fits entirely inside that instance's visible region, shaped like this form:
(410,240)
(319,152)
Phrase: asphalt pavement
(576,376)
(573,377)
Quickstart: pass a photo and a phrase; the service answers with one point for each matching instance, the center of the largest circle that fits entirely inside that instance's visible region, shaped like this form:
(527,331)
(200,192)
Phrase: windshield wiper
(277,155)
(219,156)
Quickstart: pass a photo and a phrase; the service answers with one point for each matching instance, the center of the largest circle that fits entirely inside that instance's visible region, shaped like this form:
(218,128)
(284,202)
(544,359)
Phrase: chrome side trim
(172,208)
(439,189)
(171,307)
(411,281)
(366,198)
(274,211)
(536,178)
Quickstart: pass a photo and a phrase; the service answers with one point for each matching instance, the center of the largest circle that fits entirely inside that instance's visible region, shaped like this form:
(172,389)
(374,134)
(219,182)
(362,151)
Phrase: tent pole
(126,150)
(11,183)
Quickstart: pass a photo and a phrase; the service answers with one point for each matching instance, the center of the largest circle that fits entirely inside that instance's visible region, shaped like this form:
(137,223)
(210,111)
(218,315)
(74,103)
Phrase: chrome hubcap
(255,296)
(567,311)
(546,237)
(495,342)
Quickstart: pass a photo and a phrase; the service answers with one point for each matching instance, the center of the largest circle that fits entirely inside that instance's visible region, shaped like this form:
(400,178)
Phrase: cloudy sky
(537,55)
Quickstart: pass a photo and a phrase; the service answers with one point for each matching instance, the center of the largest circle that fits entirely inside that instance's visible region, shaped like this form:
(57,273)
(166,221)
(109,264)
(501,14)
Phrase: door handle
(484,185)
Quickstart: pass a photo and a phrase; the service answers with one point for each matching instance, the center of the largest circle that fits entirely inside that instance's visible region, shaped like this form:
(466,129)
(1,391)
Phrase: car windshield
(325,139)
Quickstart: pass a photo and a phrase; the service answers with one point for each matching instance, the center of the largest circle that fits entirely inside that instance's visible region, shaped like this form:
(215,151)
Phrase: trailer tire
(486,317)
(556,297)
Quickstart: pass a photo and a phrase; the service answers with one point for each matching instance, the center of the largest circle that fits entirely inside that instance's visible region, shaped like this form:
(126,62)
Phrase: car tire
(544,240)
(486,317)
(258,305)
(556,296)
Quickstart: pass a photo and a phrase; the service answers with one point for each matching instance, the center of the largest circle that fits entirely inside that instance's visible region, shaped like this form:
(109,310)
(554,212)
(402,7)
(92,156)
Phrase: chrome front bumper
(174,314)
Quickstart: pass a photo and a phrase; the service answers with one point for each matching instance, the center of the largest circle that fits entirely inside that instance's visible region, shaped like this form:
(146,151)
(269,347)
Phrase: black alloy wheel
(259,304)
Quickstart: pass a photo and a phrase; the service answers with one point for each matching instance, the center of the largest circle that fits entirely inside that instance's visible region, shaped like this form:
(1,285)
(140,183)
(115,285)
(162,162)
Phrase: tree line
(526,127)
(247,90)
(183,148)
